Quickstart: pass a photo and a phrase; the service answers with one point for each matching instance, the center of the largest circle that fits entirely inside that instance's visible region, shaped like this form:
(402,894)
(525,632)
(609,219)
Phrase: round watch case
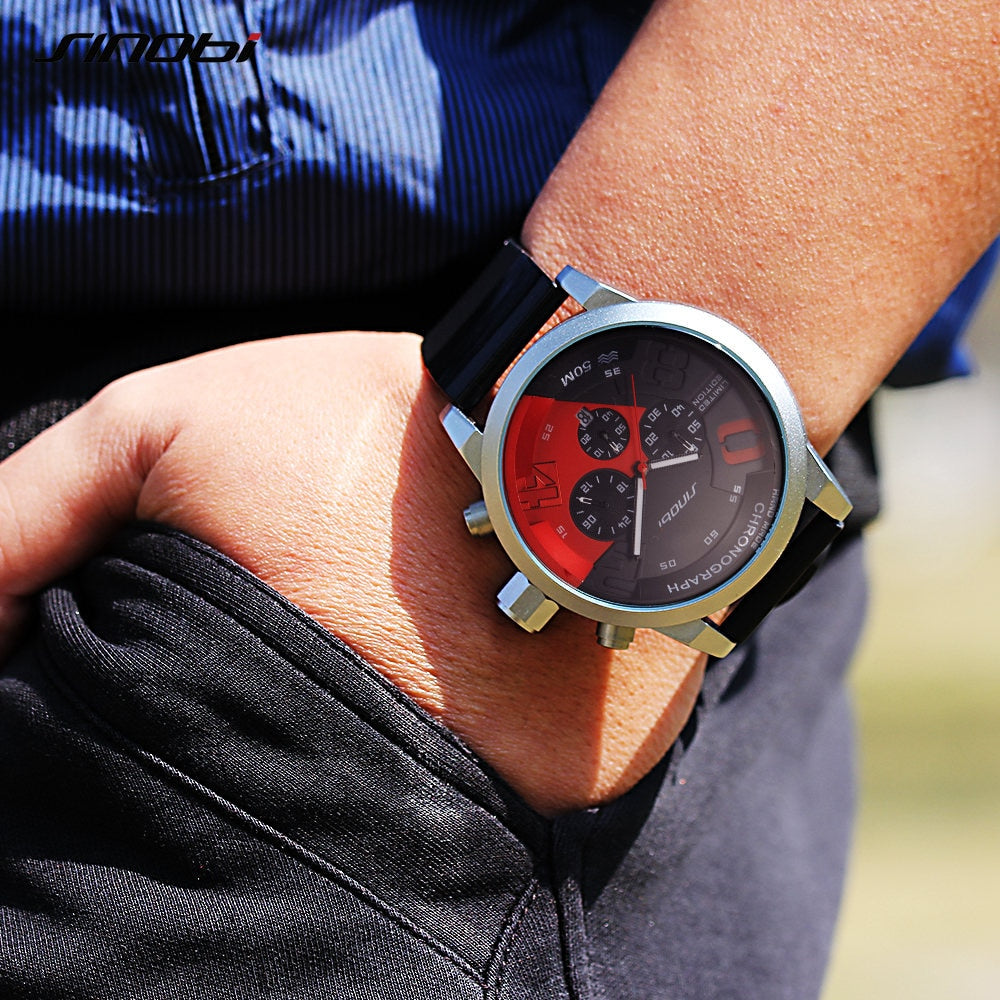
(710,330)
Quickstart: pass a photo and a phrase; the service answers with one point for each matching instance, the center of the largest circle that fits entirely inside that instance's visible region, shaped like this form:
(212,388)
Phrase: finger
(64,492)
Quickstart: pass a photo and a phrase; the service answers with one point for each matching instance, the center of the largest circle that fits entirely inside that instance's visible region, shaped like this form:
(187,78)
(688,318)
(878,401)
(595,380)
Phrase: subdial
(603,432)
(671,430)
(602,504)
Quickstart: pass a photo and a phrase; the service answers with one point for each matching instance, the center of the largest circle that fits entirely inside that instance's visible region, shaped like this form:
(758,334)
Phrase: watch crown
(476,518)
(525,604)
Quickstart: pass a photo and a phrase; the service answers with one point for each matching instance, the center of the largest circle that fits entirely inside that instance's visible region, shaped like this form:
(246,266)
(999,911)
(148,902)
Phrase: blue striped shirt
(361,148)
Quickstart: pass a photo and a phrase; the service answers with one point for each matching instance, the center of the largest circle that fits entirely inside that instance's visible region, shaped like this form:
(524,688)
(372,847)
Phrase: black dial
(603,432)
(678,484)
(671,429)
(602,504)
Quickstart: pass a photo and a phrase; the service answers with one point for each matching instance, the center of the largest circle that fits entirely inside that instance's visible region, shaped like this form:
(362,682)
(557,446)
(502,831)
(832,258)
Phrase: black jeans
(205,794)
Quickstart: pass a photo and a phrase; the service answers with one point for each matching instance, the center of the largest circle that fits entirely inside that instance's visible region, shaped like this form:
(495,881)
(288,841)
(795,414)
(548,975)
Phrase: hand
(319,464)
(641,465)
(664,463)
(640,498)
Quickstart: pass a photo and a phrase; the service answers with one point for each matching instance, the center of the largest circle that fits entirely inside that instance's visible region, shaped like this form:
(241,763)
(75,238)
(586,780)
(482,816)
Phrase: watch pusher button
(614,636)
(525,604)
(477,520)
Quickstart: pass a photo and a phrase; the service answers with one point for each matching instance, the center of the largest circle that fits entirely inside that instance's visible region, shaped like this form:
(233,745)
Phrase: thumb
(65,491)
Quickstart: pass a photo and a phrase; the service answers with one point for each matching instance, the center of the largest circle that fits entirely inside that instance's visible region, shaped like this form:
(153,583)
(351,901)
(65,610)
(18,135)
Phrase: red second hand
(642,464)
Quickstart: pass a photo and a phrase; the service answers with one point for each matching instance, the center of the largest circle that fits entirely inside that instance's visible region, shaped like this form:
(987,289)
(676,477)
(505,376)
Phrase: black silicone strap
(473,344)
(814,534)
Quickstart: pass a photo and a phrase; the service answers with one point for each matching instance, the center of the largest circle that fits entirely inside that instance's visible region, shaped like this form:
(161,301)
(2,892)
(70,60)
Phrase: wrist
(565,722)
(814,195)
(350,506)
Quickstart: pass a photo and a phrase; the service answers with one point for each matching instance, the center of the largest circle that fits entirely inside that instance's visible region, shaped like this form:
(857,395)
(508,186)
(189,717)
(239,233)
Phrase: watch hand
(664,462)
(640,455)
(640,493)
(640,475)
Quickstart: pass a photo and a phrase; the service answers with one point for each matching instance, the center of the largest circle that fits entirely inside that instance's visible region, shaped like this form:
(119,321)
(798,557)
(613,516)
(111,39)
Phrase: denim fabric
(206,795)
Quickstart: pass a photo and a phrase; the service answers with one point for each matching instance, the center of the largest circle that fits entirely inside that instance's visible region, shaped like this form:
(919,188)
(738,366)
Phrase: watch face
(643,466)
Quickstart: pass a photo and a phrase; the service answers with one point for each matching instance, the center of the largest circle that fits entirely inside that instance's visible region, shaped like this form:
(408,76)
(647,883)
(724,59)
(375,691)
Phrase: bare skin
(822,174)
(348,532)
(826,194)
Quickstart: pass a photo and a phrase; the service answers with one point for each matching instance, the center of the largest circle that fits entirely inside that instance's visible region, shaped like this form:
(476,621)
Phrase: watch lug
(700,635)
(588,292)
(823,489)
(465,436)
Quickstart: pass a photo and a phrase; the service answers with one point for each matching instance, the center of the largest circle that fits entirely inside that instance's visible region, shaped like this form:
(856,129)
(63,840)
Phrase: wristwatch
(643,463)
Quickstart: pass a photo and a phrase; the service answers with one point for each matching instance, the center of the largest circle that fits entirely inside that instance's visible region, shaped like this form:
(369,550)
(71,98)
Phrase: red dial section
(542,463)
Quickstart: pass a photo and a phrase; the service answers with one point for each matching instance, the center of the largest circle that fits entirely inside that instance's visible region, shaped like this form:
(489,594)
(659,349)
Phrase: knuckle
(125,426)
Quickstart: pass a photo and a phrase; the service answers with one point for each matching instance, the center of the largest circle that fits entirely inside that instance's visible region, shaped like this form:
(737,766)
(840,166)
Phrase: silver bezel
(704,326)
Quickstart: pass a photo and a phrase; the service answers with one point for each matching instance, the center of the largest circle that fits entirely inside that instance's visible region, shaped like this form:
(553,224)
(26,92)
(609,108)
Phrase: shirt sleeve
(938,352)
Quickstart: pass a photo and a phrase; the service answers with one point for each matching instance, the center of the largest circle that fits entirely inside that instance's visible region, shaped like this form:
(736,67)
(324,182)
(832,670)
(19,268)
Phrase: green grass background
(921,913)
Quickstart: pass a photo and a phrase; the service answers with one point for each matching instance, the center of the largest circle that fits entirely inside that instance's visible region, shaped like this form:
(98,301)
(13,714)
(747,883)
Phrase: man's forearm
(822,174)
